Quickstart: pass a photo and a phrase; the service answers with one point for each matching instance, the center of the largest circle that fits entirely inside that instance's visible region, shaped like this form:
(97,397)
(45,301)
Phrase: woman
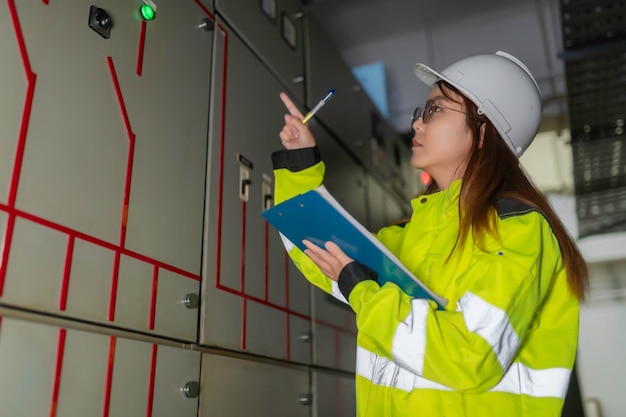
(481,236)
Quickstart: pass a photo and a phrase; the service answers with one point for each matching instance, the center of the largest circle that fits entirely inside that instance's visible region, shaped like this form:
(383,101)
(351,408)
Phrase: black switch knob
(100,21)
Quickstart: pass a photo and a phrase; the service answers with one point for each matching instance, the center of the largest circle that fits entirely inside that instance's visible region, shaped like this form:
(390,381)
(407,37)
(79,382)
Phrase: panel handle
(206,24)
(191,389)
(191,300)
(305,399)
(306,337)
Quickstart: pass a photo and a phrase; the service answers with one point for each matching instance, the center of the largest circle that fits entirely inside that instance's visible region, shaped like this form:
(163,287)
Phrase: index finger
(293,110)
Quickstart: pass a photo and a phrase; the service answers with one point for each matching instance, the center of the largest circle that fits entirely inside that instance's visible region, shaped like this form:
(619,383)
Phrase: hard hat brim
(430,77)
(427,74)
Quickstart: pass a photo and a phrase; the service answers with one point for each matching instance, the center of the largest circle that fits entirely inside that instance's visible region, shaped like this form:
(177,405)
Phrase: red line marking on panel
(13,213)
(242,270)
(31,80)
(242,283)
(8,238)
(109,377)
(69,253)
(21,144)
(129,174)
(114,282)
(131,148)
(120,99)
(91,239)
(151,381)
(142,41)
(57,372)
(257,300)
(127,183)
(20,39)
(281,308)
(287,336)
(205,9)
(153,300)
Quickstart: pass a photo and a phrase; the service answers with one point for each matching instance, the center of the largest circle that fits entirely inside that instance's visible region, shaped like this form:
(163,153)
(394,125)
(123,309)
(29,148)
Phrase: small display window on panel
(269,8)
(289,32)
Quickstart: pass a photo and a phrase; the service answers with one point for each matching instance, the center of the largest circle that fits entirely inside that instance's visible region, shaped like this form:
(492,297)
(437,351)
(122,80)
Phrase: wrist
(352,274)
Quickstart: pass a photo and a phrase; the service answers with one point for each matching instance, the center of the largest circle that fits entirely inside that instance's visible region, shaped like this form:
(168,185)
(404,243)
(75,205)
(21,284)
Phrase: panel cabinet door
(52,371)
(334,395)
(234,387)
(249,297)
(28,356)
(105,161)
(334,333)
(274,31)
(177,383)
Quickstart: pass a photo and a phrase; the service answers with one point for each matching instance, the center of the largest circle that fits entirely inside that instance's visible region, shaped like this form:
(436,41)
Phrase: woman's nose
(417,122)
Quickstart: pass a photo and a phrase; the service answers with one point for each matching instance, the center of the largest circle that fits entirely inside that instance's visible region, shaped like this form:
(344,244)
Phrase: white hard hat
(502,88)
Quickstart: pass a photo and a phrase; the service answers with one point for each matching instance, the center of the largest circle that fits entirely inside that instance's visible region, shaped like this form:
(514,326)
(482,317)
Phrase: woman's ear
(483,126)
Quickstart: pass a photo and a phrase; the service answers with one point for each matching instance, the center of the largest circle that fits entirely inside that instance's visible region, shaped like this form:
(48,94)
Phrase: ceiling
(399,33)
(355,22)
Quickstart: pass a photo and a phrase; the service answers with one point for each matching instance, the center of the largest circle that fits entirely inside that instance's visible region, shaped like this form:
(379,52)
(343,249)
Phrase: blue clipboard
(317,216)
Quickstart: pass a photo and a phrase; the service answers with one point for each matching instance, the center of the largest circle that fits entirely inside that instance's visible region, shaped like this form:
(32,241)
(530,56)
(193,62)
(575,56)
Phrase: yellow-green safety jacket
(506,342)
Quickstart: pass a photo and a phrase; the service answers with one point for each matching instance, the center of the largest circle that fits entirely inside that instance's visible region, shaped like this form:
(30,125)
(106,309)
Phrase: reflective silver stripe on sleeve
(492,324)
(382,371)
(518,380)
(409,341)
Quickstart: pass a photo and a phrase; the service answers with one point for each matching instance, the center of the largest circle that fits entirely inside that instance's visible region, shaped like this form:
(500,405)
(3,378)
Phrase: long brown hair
(494,171)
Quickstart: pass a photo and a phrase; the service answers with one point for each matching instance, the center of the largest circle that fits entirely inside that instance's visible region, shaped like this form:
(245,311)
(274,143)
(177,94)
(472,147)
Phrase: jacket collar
(444,201)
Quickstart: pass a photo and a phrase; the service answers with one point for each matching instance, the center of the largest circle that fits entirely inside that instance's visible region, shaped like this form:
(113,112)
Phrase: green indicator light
(147,12)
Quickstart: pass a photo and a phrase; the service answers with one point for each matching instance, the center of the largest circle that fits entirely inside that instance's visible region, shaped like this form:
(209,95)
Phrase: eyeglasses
(427,112)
